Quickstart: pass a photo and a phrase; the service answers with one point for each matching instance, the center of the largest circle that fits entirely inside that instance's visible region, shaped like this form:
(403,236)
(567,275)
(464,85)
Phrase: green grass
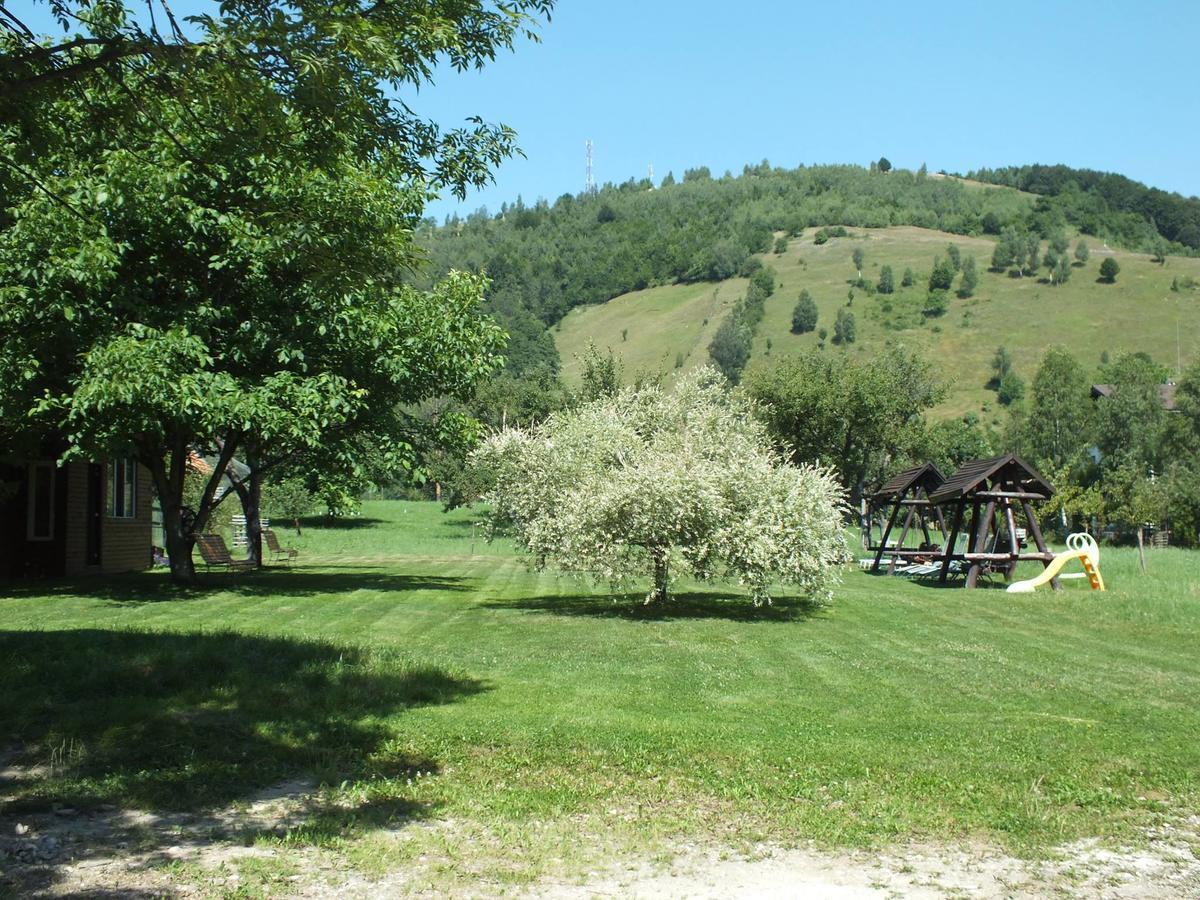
(422,681)
(1139,312)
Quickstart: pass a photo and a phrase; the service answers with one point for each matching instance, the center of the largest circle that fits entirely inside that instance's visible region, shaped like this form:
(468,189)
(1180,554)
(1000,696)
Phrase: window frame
(122,487)
(32,501)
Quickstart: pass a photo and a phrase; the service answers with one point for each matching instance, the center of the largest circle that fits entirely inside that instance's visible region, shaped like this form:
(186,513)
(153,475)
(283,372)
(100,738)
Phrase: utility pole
(590,183)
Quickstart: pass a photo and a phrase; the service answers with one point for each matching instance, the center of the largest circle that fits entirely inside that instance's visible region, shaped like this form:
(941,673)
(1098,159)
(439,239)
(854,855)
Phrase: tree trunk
(179,541)
(168,475)
(661,575)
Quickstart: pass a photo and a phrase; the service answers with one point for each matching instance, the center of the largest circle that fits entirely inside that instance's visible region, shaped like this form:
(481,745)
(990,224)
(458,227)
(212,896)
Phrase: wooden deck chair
(279,552)
(216,555)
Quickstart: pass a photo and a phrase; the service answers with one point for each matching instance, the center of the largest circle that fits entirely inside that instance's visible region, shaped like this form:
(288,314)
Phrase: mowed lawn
(419,680)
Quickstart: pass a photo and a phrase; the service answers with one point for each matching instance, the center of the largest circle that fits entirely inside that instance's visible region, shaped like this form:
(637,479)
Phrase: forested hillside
(547,259)
(1102,203)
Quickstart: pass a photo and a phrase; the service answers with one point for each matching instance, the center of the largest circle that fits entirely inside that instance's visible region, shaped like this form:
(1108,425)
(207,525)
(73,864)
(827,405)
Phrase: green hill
(651,329)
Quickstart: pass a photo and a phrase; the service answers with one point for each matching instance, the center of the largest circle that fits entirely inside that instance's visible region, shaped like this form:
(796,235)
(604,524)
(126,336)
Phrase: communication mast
(590,186)
(650,173)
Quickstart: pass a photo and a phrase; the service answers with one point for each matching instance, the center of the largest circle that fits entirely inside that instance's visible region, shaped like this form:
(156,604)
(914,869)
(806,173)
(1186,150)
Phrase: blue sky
(1104,85)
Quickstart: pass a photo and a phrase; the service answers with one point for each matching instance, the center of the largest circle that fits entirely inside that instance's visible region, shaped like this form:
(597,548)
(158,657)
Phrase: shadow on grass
(183,725)
(156,587)
(695,605)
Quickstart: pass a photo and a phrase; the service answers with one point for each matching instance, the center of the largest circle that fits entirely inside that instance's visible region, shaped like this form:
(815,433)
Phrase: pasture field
(1139,312)
(458,715)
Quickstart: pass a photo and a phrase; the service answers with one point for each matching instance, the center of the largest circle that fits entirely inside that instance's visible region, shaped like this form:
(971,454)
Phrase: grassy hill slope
(1026,315)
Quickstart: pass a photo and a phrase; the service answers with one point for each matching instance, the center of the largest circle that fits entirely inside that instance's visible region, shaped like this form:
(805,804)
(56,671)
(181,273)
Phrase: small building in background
(77,518)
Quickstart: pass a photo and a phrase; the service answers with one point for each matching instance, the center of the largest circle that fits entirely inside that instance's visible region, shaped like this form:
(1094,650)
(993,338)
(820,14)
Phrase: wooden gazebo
(908,490)
(994,490)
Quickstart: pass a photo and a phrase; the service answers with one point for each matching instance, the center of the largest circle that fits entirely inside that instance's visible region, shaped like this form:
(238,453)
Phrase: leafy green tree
(1159,251)
(1002,255)
(260,306)
(781,244)
(1109,269)
(858,256)
(1081,252)
(764,281)
(602,374)
(954,256)
(923,171)
(1059,243)
(1062,271)
(942,276)
(1032,245)
(843,327)
(886,284)
(730,346)
(1011,389)
(884,165)
(1056,432)
(909,278)
(1002,364)
(855,416)
(680,482)
(936,304)
(1130,421)
(970,278)
(804,316)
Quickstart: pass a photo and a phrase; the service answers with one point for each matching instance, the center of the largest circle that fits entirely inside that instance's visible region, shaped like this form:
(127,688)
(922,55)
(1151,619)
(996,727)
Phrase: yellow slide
(1083,547)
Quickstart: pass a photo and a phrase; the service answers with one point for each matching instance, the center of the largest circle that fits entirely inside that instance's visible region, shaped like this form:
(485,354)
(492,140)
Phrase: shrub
(666,483)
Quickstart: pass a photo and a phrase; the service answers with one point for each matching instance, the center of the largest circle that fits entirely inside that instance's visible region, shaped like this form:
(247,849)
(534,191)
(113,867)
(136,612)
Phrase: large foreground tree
(205,235)
(666,482)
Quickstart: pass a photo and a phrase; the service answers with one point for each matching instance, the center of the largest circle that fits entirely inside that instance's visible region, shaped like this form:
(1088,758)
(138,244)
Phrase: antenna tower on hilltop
(650,173)
(590,186)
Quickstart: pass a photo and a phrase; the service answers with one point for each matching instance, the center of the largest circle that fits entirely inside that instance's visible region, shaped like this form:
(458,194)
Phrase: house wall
(124,543)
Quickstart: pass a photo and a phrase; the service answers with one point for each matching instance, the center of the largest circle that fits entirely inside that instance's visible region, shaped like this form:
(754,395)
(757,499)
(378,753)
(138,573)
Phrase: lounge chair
(216,555)
(279,552)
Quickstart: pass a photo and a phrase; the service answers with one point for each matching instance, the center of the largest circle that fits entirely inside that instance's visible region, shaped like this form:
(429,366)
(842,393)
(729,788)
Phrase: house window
(122,489)
(41,502)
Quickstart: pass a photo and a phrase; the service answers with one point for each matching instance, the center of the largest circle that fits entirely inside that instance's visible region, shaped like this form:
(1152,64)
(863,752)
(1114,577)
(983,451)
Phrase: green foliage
(954,256)
(854,416)
(1129,424)
(1001,366)
(602,375)
(1109,269)
(857,256)
(781,245)
(970,278)
(1055,433)
(887,283)
(1081,252)
(884,165)
(843,327)
(1105,204)
(936,304)
(942,276)
(218,286)
(804,316)
(1011,389)
(1062,271)
(909,278)
(667,483)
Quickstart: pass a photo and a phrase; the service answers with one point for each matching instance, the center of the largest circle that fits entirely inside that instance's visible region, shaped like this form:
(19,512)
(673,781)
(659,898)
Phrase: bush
(1109,269)
(666,483)
(804,316)
(1012,389)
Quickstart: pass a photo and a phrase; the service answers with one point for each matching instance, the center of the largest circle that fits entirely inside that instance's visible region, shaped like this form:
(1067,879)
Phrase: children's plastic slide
(1080,546)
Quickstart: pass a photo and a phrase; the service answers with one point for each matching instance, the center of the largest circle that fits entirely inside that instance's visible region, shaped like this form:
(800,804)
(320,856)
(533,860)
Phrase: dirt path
(120,853)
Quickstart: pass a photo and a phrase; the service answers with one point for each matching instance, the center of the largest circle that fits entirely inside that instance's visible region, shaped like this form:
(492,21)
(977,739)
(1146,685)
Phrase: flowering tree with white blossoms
(666,482)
